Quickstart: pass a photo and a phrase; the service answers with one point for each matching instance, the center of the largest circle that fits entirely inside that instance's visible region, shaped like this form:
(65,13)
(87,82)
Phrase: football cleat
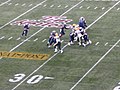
(55,50)
(69,43)
(61,51)
(90,41)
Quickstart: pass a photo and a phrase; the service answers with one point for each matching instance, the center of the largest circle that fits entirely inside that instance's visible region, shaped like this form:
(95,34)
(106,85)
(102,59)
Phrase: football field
(26,63)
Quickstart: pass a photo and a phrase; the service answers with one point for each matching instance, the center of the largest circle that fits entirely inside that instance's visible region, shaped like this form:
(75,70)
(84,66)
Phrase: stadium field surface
(94,67)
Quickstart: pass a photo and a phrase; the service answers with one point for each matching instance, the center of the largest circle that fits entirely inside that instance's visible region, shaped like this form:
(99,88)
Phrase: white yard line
(4,3)
(27,39)
(50,57)
(103,14)
(72,8)
(23,14)
(95,65)
(103,55)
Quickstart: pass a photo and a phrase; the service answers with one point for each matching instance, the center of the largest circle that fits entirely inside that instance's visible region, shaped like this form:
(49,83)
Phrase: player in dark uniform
(82,23)
(72,35)
(86,39)
(62,30)
(26,29)
(51,39)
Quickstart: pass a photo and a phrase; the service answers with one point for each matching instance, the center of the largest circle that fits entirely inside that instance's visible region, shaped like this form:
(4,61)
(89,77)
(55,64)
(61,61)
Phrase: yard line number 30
(33,80)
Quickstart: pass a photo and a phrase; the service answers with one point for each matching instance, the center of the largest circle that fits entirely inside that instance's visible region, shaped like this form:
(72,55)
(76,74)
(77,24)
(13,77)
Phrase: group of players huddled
(77,34)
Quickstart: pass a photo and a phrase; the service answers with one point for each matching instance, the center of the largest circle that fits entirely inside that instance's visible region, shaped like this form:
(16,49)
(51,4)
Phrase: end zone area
(61,71)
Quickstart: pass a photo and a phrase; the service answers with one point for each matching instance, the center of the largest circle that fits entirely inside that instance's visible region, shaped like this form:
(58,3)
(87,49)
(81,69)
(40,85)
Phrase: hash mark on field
(10,4)
(106,44)
(95,7)
(10,38)
(117,46)
(16,4)
(88,7)
(18,38)
(97,43)
(45,5)
(50,57)
(35,39)
(49,78)
(30,5)
(81,7)
(103,8)
(44,40)
(59,6)
(52,6)
(23,4)
(2,37)
(25,40)
(118,9)
(66,6)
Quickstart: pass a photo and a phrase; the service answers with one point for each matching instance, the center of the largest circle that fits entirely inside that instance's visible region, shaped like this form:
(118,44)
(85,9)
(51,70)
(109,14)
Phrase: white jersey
(78,32)
(57,39)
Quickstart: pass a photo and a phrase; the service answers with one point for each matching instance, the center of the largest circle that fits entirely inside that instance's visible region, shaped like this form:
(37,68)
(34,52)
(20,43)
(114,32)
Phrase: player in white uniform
(79,34)
(57,44)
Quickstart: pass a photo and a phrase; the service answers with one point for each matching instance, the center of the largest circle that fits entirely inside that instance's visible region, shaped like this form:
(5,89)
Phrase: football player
(86,39)
(57,43)
(82,23)
(26,29)
(62,30)
(79,34)
(51,39)
(72,34)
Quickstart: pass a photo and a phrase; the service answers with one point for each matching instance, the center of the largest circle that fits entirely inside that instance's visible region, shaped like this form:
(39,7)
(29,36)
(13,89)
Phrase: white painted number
(35,79)
(17,78)
(117,88)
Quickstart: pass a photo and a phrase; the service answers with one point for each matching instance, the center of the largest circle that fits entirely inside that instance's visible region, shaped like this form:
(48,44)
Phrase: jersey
(26,27)
(82,23)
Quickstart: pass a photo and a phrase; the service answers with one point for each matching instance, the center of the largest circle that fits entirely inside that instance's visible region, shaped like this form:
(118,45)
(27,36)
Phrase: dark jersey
(26,27)
(82,23)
